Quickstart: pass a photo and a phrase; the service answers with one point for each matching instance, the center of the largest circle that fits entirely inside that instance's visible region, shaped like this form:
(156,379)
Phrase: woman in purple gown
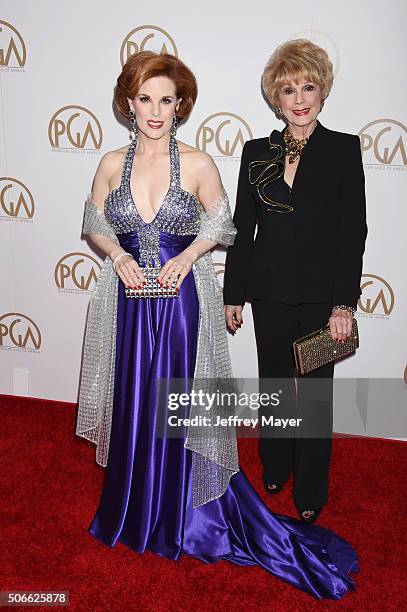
(158,494)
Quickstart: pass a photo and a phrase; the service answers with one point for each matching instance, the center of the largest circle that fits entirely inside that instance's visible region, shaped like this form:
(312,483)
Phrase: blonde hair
(294,60)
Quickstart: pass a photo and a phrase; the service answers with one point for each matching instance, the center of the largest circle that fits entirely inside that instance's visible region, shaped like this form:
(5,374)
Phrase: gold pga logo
(384,142)
(75,127)
(19,332)
(147,38)
(223,134)
(16,200)
(377,297)
(76,272)
(322,39)
(13,52)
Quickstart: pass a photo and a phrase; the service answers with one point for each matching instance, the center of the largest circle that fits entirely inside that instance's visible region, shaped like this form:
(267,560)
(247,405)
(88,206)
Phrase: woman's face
(300,102)
(155,105)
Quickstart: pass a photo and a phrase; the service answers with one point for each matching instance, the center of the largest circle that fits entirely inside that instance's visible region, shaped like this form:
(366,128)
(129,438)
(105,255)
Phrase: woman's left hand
(340,324)
(175,268)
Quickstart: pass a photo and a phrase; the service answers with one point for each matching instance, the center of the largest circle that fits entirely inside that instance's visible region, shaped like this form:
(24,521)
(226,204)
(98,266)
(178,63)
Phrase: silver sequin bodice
(179,213)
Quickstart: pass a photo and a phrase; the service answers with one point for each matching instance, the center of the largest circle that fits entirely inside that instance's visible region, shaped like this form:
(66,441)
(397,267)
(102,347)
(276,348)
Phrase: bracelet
(350,309)
(119,257)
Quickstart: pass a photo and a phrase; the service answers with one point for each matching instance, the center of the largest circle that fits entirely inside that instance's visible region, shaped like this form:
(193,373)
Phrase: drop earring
(133,132)
(279,111)
(174,126)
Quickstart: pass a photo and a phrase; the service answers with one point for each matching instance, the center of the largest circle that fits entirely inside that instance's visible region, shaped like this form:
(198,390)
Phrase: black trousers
(308,397)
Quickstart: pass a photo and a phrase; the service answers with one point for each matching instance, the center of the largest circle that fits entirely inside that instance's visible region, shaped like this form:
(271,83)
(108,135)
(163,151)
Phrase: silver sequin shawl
(214,456)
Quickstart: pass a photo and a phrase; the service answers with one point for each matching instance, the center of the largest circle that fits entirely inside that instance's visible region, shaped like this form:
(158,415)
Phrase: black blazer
(314,253)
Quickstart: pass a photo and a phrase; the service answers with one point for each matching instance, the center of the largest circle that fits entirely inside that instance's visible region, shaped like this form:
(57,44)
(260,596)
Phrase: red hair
(147,64)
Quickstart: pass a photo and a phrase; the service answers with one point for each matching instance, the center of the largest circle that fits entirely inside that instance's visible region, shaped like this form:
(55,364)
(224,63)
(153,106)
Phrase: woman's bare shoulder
(112,160)
(194,156)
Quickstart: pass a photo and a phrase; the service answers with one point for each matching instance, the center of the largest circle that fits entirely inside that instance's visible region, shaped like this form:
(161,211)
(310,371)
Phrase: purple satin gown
(146,499)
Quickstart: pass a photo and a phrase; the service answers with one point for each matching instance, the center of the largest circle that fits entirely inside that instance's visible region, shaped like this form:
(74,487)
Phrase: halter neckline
(175,178)
(179,213)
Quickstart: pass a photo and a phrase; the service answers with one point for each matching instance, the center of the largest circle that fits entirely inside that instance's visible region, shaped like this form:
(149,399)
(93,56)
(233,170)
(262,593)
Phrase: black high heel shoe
(312,518)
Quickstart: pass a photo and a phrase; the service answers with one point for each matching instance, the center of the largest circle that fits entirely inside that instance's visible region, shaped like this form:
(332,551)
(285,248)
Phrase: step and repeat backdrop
(58,66)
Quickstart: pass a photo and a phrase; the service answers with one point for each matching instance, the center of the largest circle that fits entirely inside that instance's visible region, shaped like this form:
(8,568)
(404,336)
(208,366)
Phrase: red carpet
(50,489)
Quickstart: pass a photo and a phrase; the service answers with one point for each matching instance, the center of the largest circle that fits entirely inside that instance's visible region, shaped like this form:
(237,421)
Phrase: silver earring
(174,126)
(134,131)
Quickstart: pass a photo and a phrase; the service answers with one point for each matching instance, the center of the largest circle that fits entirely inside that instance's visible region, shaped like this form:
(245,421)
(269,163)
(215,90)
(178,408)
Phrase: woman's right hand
(128,270)
(234,317)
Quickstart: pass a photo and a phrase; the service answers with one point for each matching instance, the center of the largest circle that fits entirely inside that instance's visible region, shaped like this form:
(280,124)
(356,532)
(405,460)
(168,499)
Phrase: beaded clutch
(152,289)
(318,348)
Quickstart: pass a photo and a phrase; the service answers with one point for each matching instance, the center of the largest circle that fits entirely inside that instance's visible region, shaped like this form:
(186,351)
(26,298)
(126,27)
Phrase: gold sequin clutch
(318,348)
(152,289)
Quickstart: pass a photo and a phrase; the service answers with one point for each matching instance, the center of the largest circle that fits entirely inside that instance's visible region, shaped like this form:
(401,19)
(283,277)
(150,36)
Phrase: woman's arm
(216,228)
(352,232)
(238,256)
(126,267)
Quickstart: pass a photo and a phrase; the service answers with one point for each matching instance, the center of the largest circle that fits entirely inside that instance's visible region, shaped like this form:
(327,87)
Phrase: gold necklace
(293,147)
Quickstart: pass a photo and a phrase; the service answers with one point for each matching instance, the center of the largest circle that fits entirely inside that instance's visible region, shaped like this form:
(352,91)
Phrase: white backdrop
(58,65)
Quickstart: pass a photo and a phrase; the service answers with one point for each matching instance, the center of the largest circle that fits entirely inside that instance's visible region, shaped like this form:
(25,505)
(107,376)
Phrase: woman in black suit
(304,189)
